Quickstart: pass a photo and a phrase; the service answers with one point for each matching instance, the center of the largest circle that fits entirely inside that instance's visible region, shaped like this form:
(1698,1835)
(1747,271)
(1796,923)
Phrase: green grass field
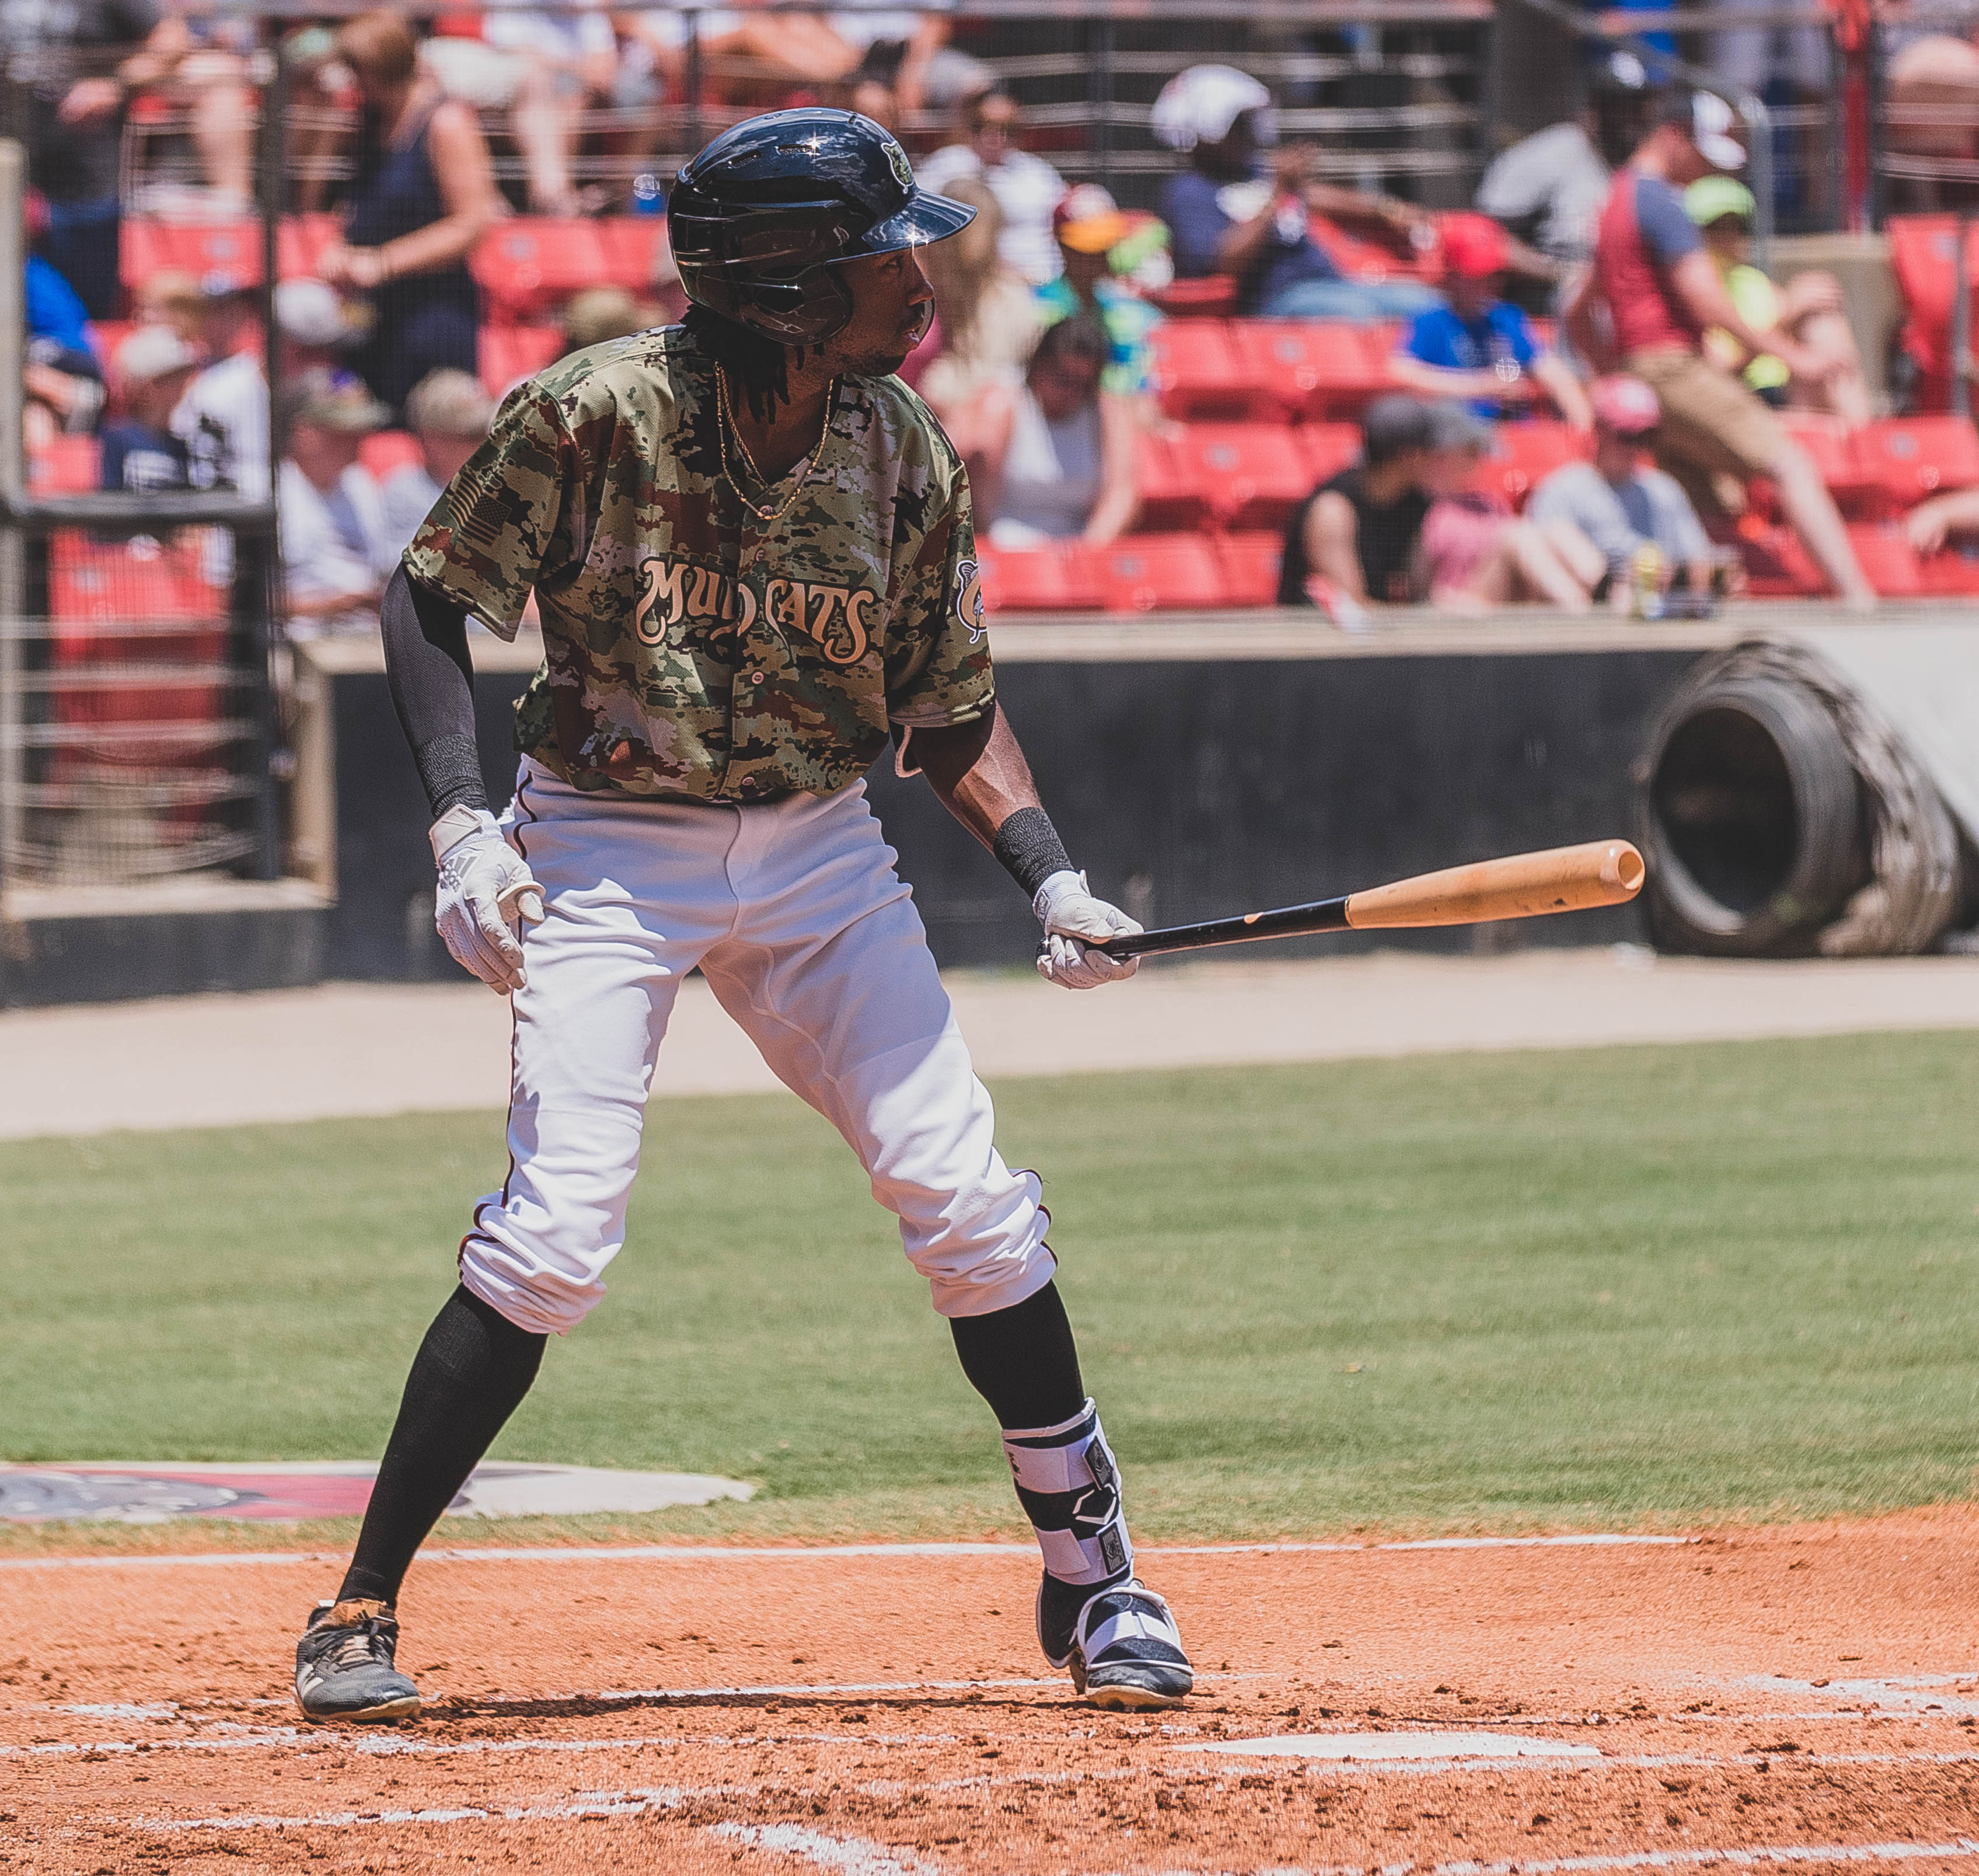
(1627,1287)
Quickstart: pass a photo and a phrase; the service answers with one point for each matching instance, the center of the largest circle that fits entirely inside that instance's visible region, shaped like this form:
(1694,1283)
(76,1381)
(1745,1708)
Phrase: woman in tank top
(423,194)
(1056,458)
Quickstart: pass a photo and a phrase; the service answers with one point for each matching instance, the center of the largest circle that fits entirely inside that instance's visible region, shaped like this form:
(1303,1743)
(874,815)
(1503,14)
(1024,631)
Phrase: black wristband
(1028,848)
(450,769)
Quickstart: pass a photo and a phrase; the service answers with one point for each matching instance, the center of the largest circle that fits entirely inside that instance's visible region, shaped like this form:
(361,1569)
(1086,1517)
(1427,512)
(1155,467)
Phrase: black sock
(471,1373)
(1022,1361)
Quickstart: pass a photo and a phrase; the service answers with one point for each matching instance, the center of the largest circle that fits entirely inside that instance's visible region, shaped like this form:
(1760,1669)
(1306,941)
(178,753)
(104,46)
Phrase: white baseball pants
(811,941)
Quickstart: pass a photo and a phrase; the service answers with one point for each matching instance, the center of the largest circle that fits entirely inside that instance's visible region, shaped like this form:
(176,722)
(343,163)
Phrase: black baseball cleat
(1121,1643)
(344,1666)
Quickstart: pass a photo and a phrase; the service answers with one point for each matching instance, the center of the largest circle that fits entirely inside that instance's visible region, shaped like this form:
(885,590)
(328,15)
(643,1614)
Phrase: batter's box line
(848,1856)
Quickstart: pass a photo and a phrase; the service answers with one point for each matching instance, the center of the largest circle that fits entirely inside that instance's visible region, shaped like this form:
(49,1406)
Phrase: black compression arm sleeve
(432,679)
(1029,847)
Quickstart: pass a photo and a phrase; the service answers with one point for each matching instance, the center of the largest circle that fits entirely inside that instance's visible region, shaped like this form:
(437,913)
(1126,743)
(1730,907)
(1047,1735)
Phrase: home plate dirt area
(1774,1696)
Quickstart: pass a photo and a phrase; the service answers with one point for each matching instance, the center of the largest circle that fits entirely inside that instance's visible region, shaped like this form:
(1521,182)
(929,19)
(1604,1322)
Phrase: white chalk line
(853,1856)
(787,1553)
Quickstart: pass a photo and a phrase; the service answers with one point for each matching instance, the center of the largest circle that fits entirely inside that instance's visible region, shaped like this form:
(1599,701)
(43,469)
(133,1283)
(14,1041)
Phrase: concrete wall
(1188,786)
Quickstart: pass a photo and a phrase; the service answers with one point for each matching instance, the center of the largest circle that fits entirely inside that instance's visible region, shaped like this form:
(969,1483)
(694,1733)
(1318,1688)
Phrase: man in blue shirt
(1480,348)
(1226,219)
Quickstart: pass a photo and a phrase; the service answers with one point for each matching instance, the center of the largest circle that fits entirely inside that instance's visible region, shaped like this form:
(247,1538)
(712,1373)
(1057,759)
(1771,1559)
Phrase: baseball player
(751,549)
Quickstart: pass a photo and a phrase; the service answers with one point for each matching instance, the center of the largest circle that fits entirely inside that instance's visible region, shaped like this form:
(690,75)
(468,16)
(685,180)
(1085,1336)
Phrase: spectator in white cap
(1226,218)
(1026,187)
(223,416)
(1652,294)
(152,368)
(337,554)
(449,413)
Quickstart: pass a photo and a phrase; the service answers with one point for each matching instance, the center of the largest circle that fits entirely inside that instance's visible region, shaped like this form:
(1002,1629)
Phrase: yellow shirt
(1756,301)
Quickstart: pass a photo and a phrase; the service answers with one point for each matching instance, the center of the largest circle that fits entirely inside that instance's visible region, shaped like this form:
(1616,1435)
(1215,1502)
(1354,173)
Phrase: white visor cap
(1198,106)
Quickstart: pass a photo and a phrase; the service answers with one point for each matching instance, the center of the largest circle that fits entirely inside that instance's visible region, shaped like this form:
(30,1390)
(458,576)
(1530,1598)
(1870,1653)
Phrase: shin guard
(1070,1489)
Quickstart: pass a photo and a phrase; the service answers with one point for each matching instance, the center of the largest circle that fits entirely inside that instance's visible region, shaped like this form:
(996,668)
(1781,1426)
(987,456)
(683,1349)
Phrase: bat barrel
(1520,886)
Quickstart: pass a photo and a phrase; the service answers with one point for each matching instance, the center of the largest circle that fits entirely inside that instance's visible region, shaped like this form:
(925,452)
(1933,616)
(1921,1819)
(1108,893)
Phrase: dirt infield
(1802,1695)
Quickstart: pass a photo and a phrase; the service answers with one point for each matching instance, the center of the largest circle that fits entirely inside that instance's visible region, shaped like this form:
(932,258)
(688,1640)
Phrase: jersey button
(755,677)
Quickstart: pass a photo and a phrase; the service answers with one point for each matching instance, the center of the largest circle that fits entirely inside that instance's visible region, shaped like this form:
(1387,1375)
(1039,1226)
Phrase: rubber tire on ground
(1827,861)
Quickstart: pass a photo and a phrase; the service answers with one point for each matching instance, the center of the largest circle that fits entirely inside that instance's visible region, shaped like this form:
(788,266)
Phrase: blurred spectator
(986,313)
(1226,219)
(596,315)
(60,375)
(75,72)
(336,550)
(424,193)
(1360,535)
(1619,502)
(898,53)
(1026,187)
(209,81)
(1931,89)
(1055,460)
(1480,347)
(1476,554)
(223,415)
(1653,293)
(449,414)
(1931,523)
(1809,309)
(1549,187)
(141,455)
(1402,525)
(544,69)
(174,299)
(1090,229)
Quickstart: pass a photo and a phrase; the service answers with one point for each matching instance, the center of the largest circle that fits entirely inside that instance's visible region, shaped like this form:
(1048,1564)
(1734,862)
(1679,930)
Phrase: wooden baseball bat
(1520,886)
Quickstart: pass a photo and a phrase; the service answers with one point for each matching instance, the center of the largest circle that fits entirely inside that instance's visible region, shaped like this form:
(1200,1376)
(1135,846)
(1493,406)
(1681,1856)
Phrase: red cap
(1474,246)
(1626,405)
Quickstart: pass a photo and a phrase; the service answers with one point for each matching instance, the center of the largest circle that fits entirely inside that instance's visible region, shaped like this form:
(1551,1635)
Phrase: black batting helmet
(760,219)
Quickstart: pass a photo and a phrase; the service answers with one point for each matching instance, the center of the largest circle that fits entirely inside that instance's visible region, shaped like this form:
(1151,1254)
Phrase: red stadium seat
(299,241)
(1213,296)
(1053,578)
(1170,498)
(1251,568)
(1953,570)
(1314,368)
(1327,449)
(231,249)
(1887,561)
(1857,490)
(1921,249)
(635,246)
(1777,566)
(1199,374)
(1362,260)
(1248,475)
(1524,454)
(1909,458)
(385,452)
(1156,572)
(510,353)
(531,262)
(68,466)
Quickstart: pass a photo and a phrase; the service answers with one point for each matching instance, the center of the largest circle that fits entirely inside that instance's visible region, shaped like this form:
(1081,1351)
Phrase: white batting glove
(1067,910)
(485,895)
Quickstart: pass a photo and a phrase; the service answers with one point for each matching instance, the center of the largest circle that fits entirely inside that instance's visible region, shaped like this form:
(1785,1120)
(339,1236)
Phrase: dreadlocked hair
(757,367)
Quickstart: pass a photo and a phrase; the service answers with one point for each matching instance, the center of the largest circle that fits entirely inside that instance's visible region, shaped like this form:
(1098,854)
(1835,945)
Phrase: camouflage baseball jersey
(690,648)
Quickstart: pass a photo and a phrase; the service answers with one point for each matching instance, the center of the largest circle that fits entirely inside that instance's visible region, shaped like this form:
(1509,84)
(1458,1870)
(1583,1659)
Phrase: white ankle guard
(1070,1489)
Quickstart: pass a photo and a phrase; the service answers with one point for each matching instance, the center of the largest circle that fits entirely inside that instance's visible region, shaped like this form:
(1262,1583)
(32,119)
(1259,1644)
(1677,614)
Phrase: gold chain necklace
(768,517)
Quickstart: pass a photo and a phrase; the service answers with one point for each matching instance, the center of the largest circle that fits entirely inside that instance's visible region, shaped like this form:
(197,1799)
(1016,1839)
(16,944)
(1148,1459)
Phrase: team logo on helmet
(969,598)
(903,169)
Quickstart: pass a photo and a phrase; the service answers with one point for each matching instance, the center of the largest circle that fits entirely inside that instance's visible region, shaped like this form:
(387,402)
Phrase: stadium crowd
(1596,314)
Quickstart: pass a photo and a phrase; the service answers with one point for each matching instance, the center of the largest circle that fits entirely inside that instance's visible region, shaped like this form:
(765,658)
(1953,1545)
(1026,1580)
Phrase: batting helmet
(760,218)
